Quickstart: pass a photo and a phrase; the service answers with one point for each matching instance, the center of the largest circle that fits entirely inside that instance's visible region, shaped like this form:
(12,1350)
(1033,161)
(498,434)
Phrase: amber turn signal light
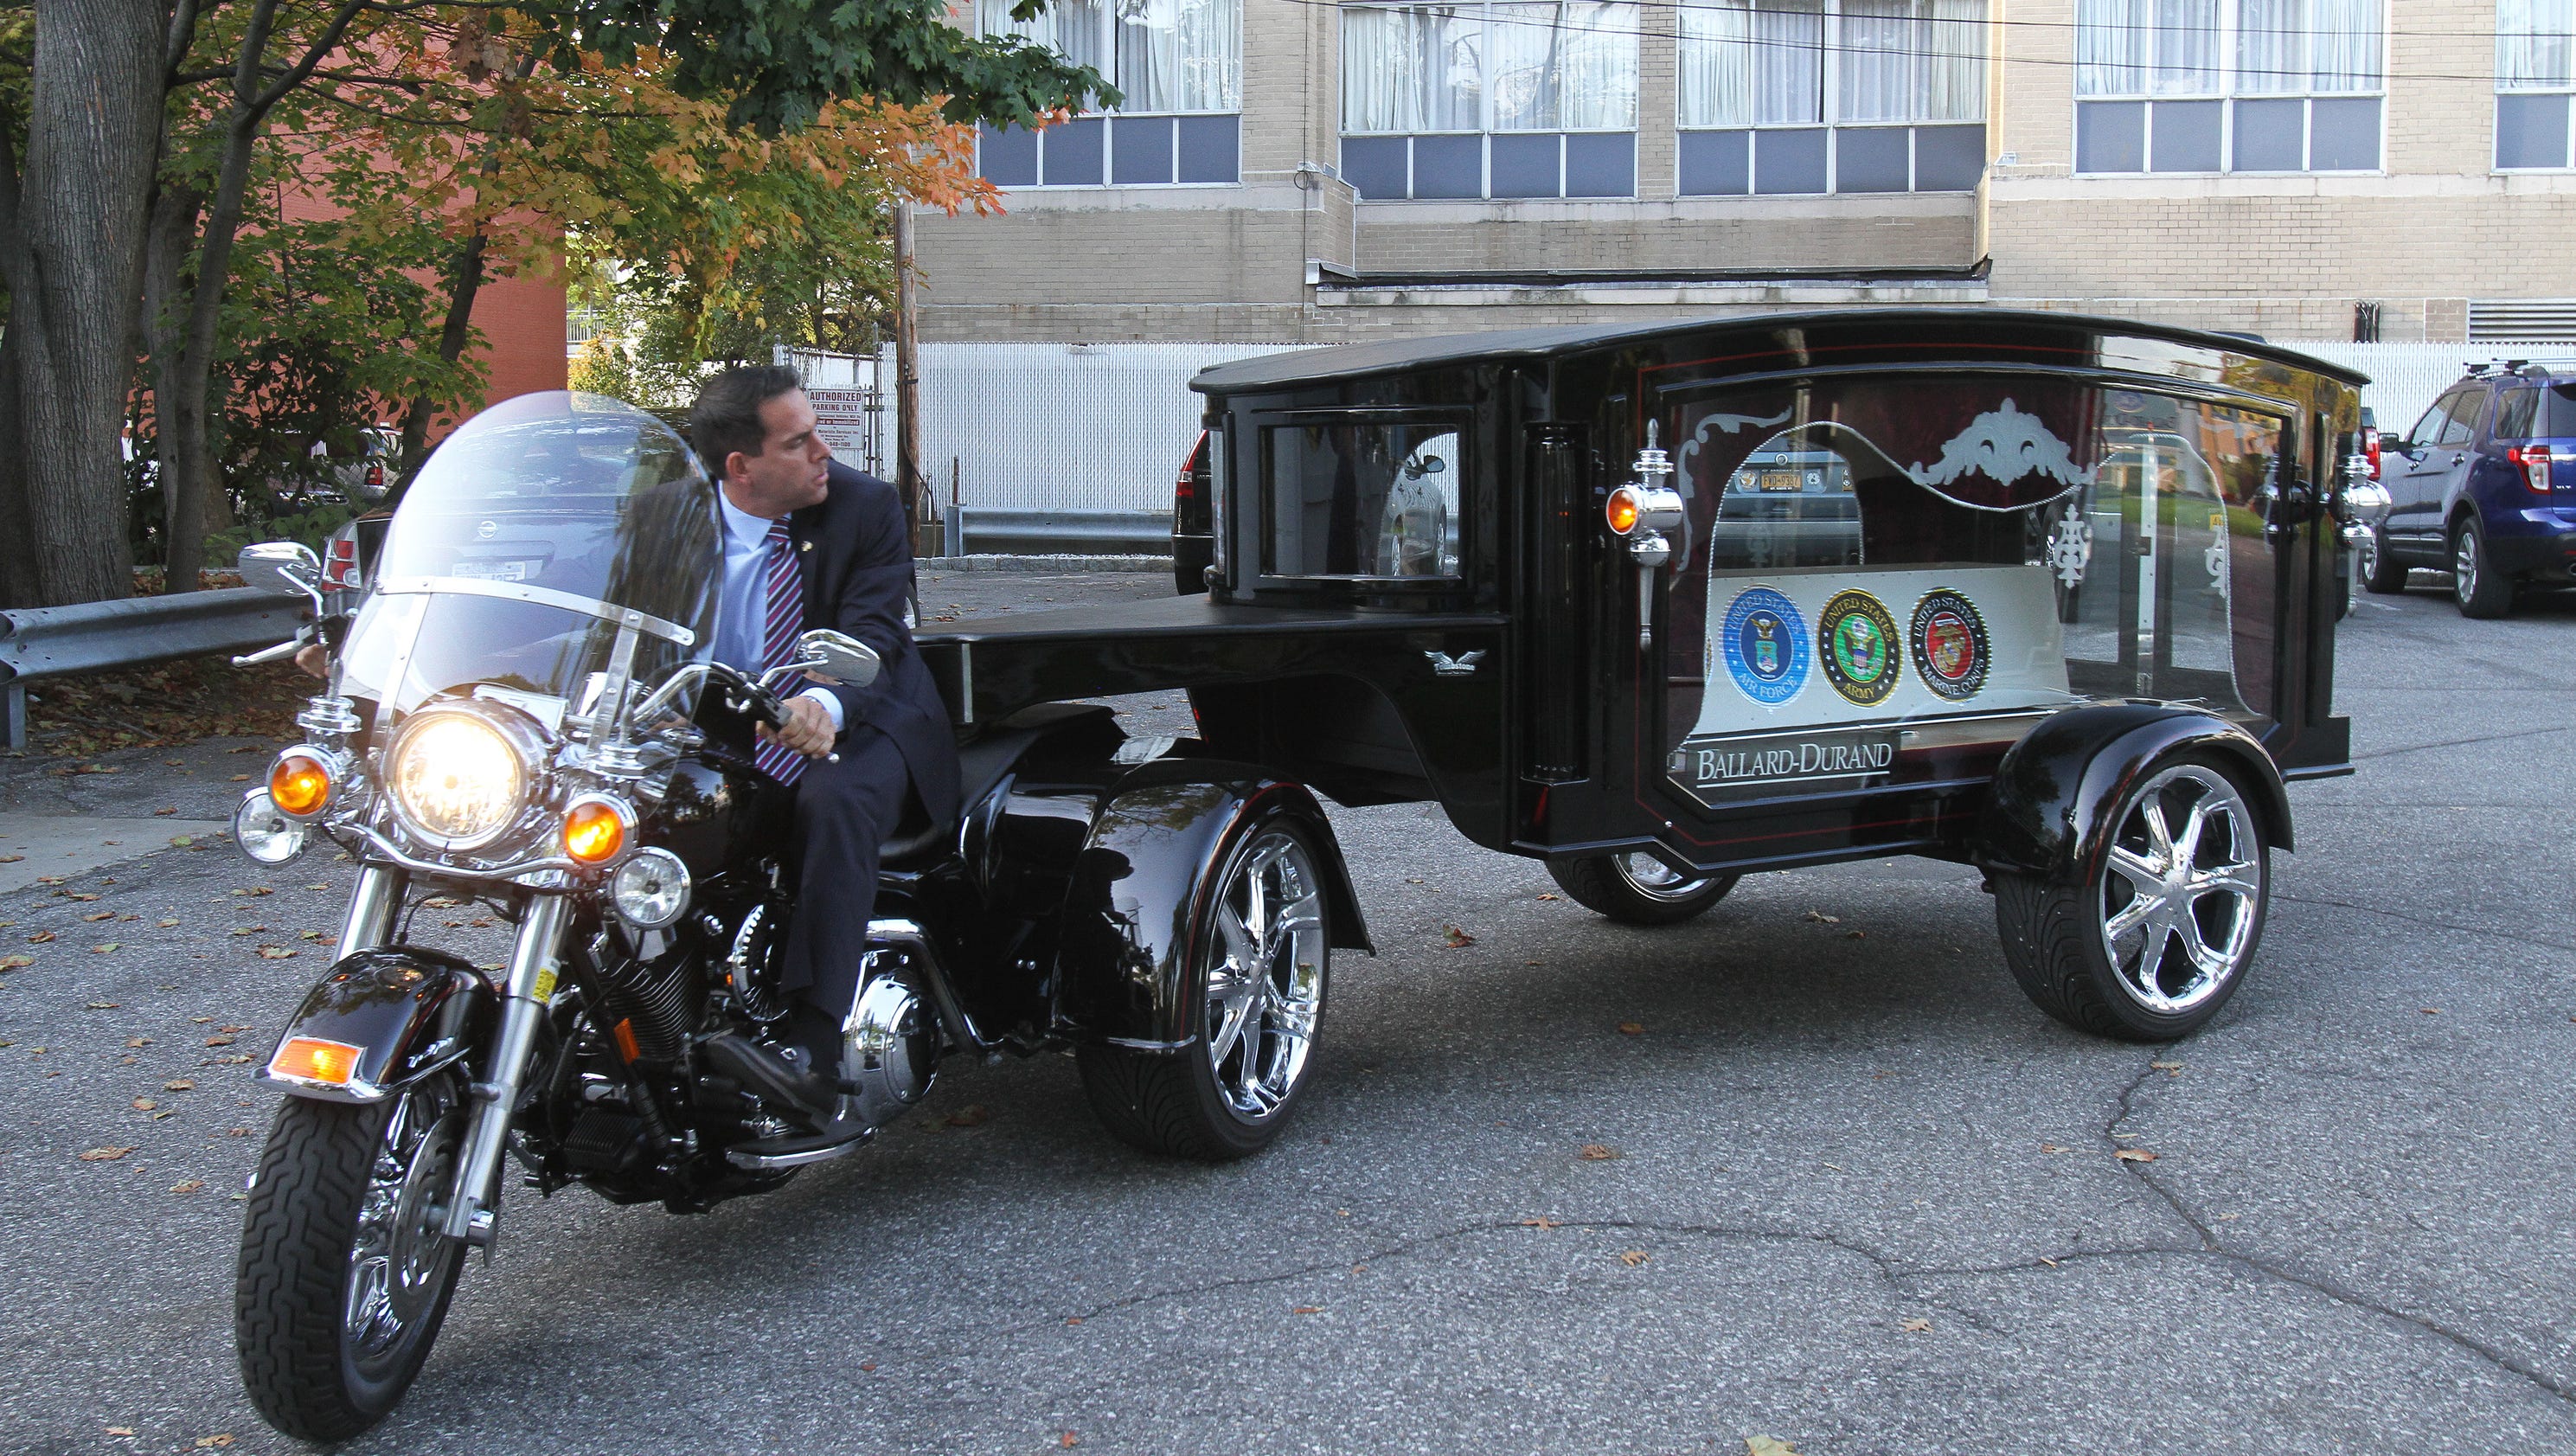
(299,784)
(310,1059)
(595,830)
(1622,511)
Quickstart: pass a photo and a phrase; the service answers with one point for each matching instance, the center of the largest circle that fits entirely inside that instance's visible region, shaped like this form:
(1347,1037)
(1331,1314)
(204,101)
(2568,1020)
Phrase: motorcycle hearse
(1662,606)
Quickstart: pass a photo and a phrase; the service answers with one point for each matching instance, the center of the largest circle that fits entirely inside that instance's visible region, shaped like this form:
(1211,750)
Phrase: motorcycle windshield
(554,545)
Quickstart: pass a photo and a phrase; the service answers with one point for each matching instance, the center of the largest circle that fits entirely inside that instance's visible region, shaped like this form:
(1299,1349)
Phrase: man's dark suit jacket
(856,561)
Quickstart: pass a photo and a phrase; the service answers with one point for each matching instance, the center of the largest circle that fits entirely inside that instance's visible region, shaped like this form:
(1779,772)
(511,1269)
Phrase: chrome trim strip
(377,843)
(511,591)
(776,1162)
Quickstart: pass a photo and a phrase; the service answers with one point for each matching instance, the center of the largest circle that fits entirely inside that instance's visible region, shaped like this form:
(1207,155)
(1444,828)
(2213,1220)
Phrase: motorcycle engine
(889,1051)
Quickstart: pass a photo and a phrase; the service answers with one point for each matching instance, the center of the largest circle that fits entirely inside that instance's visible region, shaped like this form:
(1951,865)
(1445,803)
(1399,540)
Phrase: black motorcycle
(511,719)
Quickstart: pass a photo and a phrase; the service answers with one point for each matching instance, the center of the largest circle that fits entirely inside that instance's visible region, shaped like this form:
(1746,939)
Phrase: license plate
(1778,480)
(493,570)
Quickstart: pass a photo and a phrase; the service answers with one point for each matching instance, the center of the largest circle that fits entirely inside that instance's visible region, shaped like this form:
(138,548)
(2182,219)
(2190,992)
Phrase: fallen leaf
(40,937)
(167,924)
(2051,1263)
(870,1367)
(101,915)
(159,813)
(2166,1066)
(104,948)
(1916,1326)
(1551,897)
(1633,1028)
(11,858)
(2430,1010)
(189,1185)
(230,1029)
(241,778)
(2134,1155)
(1598,1152)
(201,1020)
(1074,1320)
(1457,938)
(144,1104)
(104,1155)
(274,952)
(1821,918)
(16,962)
(2053,1148)
(219,1041)
(249,930)
(434,902)
(227,1061)
(1768,1446)
(317,887)
(183,841)
(974,1114)
(1634,1257)
(1541,1222)
(83,895)
(102,1006)
(220,1438)
(164,1112)
(138,1041)
(312,935)
(1855,934)
(120,1430)
(181,1084)
(1308,1309)
(1067,1441)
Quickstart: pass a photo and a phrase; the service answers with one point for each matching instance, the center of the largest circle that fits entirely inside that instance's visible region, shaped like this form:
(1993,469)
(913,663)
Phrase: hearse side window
(1373,500)
(1789,504)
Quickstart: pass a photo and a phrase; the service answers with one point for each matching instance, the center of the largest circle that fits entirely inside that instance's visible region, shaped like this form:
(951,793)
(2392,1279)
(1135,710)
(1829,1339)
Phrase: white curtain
(1075,28)
(1415,69)
(2271,47)
(1562,67)
(2293,46)
(1180,55)
(2533,45)
(1912,60)
(1748,66)
(2112,47)
(2345,41)
(2186,48)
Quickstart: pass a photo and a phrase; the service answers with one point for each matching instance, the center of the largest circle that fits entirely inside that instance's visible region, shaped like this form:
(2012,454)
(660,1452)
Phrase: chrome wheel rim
(2183,890)
(2464,567)
(1265,986)
(1656,880)
(400,1257)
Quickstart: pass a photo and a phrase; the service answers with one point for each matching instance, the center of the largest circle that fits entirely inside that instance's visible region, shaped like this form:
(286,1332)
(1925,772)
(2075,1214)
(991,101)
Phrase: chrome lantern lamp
(1639,513)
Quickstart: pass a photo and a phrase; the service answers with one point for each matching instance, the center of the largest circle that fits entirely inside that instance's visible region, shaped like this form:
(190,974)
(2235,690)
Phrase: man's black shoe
(781,1075)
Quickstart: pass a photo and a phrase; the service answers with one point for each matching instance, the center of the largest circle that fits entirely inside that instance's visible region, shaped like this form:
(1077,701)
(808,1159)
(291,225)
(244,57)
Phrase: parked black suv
(2484,486)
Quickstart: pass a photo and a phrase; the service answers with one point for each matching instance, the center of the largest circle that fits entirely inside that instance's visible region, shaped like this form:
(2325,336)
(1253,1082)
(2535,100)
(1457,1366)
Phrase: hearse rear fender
(1142,894)
(2050,812)
(407,1011)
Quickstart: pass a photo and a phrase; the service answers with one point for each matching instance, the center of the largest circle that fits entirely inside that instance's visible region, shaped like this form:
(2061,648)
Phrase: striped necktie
(778,644)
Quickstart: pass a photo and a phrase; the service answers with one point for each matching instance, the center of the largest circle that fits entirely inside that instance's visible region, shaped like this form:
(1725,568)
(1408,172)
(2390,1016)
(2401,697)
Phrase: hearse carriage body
(1662,606)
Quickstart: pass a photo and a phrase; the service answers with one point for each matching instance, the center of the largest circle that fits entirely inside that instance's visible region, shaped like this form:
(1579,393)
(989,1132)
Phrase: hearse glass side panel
(1367,499)
(1875,562)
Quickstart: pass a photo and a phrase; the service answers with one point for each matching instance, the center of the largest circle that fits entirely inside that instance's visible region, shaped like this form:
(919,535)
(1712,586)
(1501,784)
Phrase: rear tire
(2482,591)
(2151,942)
(1634,888)
(1255,985)
(2379,571)
(344,1278)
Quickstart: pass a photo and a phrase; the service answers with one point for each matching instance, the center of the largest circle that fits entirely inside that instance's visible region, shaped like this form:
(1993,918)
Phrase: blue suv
(2484,487)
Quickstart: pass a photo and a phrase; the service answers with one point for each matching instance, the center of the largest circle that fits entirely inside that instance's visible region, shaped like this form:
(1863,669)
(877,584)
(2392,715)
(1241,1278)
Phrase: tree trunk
(17,560)
(907,376)
(464,280)
(71,248)
(174,227)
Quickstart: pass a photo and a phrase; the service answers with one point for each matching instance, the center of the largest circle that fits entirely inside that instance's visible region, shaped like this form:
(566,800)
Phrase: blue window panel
(2531,131)
(2270,135)
(1007,157)
(1211,149)
(1949,158)
(1872,159)
(1716,163)
(1140,150)
(1072,156)
(1789,161)
(1376,166)
(1601,164)
(2186,136)
(1449,166)
(2343,134)
(2111,136)
(1525,163)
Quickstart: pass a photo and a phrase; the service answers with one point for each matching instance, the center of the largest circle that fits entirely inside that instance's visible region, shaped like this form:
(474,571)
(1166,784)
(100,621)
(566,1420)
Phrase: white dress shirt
(742,606)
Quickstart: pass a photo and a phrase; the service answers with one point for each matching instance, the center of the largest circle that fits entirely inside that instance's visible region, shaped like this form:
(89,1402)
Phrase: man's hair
(726,417)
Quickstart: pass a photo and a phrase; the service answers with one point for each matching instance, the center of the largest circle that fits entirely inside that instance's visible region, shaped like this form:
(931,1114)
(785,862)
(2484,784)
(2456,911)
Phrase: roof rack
(2531,368)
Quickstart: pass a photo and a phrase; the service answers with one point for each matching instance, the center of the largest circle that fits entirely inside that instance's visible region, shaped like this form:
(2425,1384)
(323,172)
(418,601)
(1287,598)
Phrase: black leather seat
(982,760)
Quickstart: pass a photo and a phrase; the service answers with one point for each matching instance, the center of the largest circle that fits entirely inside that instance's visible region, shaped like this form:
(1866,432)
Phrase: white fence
(1104,427)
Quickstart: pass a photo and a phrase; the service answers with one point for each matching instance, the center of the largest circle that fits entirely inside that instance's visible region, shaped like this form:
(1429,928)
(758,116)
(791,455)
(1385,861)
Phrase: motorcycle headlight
(262,831)
(458,778)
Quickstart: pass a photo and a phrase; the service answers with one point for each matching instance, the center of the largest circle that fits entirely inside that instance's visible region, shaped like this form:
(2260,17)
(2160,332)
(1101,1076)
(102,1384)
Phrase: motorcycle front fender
(384,1018)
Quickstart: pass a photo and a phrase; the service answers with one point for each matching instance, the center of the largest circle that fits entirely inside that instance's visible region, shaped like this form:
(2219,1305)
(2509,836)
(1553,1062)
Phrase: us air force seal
(1950,644)
(1856,637)
(1766,646)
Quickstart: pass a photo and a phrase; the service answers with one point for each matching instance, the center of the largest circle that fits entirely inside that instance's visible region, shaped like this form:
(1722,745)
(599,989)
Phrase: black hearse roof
(1391,356)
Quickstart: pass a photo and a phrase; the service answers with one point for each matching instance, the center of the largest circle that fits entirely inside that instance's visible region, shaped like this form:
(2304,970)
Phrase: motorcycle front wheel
(345,1274)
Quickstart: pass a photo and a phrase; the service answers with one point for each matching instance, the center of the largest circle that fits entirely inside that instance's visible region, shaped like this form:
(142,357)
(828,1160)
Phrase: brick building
(1298,170)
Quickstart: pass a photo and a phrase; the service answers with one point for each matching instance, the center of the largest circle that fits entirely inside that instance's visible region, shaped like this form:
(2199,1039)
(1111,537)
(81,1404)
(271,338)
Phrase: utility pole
(907,376)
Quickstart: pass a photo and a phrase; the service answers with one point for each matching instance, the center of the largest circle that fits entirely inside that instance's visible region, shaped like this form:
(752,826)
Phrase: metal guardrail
(984,530)
(43,642)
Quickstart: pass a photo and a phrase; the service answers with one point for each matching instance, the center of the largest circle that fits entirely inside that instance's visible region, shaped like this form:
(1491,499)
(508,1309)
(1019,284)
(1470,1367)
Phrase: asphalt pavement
(1809,1170)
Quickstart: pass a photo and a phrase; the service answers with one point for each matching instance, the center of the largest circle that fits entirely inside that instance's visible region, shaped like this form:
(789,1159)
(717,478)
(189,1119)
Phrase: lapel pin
(805,546)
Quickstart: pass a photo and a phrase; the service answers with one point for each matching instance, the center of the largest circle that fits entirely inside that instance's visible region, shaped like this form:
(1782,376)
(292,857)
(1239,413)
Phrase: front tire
(344,1276)
(1637,889)
(2481,590)
(2379,571)
(1255,987)
(2150,943)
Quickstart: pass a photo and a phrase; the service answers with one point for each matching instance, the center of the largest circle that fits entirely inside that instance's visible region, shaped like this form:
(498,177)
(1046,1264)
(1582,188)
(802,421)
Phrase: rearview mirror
(283,568)
(838,657)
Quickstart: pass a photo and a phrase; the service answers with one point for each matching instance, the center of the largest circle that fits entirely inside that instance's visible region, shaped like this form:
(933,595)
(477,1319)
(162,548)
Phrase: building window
(1179,63)
(1500,100)
(1832,96)
(2535,81)
(2228,85)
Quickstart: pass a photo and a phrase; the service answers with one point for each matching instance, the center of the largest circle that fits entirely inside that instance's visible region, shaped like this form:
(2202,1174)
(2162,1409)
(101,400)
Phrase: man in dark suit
(809,542)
